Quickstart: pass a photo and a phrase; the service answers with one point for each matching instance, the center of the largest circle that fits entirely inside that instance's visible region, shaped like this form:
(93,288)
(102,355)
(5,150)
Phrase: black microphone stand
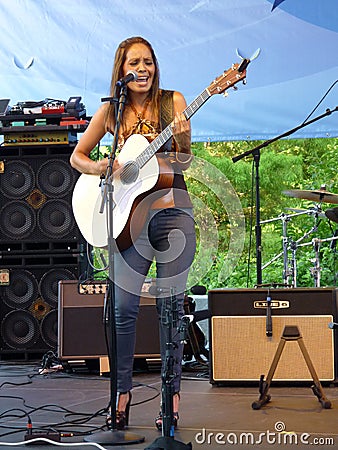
(169,321)
(256,154)
(113,436)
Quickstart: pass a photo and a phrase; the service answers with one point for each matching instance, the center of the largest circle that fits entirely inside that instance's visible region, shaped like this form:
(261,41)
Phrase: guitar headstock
(228,79)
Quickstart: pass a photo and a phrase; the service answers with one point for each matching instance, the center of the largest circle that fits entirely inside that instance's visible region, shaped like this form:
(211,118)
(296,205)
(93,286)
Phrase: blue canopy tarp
(58,49)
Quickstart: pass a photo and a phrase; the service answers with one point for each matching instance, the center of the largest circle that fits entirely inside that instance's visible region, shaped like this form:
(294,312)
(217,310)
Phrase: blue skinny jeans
(169,237)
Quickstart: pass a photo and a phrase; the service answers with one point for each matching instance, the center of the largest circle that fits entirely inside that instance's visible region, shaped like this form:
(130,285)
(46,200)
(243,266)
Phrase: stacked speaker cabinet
(241,348)
(40,244)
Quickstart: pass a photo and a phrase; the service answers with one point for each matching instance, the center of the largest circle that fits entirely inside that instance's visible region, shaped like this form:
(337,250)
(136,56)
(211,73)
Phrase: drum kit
(290,246)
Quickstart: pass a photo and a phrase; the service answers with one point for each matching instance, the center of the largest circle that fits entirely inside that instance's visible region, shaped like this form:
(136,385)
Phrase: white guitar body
(87,194)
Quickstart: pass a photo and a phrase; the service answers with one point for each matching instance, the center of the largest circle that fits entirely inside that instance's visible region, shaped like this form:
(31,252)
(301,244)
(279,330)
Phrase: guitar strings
(162,138)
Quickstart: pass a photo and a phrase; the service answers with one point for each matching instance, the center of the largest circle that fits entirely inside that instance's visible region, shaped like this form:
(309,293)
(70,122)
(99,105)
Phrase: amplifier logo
(275,304)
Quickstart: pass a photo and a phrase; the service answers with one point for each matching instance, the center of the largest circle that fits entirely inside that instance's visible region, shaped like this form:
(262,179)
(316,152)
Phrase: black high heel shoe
(122,417)
(159,418)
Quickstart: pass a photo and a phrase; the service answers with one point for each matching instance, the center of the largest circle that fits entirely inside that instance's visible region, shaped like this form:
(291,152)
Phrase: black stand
(167,441)
(113,436)
(290,333)
(256,154)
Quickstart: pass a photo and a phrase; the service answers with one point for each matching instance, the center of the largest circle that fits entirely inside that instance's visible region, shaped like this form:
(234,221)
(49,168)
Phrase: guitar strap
(167,115)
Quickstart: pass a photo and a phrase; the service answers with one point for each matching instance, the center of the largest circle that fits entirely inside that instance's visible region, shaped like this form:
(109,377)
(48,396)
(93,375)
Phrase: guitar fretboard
(166,134)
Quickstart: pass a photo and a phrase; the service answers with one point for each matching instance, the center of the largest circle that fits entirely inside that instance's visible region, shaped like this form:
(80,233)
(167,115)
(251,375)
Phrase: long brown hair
(120,57)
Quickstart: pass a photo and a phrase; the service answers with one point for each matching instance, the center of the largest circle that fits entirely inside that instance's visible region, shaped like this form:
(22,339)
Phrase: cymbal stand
(286,271)
(315,270)
(315,211)
(285,218)
(287,244)
(293,263)
(294,246)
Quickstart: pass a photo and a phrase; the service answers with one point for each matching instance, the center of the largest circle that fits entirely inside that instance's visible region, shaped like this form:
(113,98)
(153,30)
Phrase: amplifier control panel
(39,138)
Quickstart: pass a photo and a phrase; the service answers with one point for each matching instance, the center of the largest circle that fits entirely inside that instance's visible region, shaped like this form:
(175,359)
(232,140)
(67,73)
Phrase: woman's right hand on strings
(103,163)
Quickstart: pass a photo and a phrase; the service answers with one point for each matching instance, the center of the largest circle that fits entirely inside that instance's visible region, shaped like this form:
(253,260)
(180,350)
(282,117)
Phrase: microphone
(131,76)
(333,325)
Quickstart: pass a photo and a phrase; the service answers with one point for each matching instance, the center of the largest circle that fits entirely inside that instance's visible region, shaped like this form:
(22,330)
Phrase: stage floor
(211,417)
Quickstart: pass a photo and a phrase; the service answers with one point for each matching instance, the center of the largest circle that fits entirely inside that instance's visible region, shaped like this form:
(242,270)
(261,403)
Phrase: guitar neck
(166,134)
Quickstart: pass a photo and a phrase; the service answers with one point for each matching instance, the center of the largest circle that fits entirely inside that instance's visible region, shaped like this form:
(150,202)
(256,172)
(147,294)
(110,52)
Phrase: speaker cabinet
(241,349)
(81,329)
(40,243)
(28,308)
(36,185)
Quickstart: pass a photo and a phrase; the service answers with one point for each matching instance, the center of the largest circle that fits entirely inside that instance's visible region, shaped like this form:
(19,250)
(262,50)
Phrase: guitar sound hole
(129,173)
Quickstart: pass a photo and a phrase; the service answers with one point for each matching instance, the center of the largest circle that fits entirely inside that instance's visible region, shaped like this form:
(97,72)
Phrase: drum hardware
(293,247)
(316,269)
(320,195)
(314,210)
(290,245)
(290,264)
(284,218)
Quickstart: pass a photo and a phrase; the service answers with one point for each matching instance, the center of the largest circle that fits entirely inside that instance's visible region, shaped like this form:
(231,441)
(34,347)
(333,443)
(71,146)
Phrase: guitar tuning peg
(235,88)
(225,94)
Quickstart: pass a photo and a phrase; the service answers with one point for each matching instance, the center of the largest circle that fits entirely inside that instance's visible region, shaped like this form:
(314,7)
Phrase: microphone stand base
(115,437)
(168,443)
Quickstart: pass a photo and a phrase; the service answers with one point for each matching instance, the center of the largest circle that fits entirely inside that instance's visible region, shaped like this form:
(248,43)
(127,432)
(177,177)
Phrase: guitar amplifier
(241,350)
(81,329)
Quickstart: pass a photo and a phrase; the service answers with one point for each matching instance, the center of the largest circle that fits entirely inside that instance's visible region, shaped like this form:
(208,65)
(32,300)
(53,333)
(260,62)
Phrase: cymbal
(332,214)
(320,195)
